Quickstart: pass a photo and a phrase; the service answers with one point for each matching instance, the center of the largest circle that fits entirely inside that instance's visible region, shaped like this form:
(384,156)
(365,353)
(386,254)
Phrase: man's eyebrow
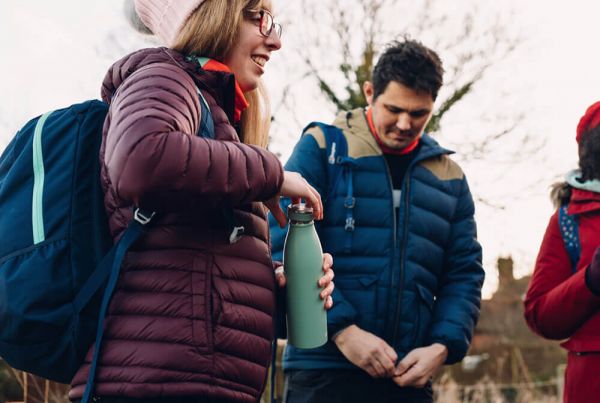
(399,108)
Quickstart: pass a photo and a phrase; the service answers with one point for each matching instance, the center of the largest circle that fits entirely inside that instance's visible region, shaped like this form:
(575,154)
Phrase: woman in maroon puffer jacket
(563,302)
(191,319)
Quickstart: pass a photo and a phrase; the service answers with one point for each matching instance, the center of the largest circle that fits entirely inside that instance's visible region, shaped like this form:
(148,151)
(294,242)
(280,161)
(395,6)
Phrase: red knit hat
(590,120)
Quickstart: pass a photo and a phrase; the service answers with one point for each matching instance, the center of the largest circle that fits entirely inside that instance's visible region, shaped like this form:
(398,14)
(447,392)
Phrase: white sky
(56,53)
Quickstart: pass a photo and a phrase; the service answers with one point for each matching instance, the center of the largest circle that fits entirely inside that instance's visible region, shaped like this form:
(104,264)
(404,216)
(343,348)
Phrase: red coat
(192,314)
(559,305)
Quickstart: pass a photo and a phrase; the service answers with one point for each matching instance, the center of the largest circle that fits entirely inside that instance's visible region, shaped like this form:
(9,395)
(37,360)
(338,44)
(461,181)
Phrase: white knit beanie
(165,18)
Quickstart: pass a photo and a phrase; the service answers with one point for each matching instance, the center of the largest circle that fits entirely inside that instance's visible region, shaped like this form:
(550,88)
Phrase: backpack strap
(339,164)
(110,265)
(336,149)
(569,230)
(207,130)
(207,125)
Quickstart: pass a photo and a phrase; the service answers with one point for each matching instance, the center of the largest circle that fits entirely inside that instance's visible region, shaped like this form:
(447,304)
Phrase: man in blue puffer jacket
(408,264)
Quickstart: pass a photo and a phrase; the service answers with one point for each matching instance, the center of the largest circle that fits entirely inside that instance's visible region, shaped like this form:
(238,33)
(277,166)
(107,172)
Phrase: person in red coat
(563,299)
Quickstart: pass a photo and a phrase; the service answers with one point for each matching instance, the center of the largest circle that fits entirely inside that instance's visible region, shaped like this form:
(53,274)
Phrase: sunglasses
(266,25)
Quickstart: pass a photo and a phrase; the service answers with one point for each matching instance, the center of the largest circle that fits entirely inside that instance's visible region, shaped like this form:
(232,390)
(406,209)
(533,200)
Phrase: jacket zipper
(402,256)
(406,191)
(391,185)
(389,174)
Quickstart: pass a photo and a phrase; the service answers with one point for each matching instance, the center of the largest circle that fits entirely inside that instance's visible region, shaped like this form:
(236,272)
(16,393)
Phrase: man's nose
(403,122)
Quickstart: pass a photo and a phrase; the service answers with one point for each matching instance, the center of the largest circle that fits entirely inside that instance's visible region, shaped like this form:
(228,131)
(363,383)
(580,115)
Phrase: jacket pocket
(201,279)
(361,293)
(355,283)
(425,302)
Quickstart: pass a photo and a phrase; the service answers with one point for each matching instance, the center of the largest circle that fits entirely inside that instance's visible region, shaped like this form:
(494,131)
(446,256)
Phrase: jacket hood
(581,196)
(220,84)
(125,67)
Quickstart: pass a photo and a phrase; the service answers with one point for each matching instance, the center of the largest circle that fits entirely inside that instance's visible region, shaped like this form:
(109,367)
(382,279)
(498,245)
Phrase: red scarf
(384,148)
(240,100)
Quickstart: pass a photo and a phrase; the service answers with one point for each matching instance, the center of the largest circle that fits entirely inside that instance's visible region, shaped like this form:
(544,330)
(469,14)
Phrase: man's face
(400,113)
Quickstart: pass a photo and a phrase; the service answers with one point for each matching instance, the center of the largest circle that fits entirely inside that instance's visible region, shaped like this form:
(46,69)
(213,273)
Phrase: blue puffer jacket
(413,277)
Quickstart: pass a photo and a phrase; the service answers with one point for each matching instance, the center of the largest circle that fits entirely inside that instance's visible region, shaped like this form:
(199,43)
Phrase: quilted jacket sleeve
(557,302)
(152,156)
(458,300)
(309,160)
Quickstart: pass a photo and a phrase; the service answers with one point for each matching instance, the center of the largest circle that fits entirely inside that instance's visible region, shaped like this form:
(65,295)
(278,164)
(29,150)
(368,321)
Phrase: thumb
(279,216)
(275,209)
(406,363)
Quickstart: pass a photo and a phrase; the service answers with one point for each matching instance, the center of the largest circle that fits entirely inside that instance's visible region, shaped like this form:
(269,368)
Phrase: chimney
(505,272)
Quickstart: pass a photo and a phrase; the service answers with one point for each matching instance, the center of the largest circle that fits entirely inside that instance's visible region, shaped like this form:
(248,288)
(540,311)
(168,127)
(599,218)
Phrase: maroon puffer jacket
(192,314)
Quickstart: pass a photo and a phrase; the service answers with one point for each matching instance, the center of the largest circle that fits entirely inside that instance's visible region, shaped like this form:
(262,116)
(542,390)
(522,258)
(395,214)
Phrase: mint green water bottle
(303,263)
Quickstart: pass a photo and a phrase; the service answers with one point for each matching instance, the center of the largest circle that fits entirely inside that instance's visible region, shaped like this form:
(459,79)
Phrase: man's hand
(419,365)
(367,351)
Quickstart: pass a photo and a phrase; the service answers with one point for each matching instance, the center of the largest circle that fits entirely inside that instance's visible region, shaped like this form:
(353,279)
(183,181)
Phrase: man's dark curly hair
(589,154)
(411,64)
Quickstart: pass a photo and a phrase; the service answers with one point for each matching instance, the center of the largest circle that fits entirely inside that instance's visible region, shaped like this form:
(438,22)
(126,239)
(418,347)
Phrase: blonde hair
(211,31)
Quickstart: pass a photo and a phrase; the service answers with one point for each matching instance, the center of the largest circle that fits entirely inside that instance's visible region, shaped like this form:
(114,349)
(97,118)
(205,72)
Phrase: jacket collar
(355,122)
(583,201)
(240,103)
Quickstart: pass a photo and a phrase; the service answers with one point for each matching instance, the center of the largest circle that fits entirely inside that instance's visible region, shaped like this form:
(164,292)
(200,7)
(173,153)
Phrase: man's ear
(369,91)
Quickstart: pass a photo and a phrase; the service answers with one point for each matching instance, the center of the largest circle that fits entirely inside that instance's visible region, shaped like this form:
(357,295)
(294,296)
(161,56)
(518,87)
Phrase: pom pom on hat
(589,120)
(165,18)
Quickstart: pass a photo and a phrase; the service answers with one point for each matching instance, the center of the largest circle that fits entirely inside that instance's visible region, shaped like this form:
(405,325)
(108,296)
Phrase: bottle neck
(302,223)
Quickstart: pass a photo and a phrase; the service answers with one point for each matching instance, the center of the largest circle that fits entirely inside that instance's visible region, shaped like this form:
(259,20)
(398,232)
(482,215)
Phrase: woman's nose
(273,41)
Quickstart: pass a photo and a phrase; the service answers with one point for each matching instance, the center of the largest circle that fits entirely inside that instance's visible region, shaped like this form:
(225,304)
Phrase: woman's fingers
(326,282)
(315,202)
(296,187)
(327,291)
(280,277)
(327,262)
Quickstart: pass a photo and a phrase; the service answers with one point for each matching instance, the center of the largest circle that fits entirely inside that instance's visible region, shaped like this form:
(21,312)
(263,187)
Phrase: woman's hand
(295,187)
(325,282)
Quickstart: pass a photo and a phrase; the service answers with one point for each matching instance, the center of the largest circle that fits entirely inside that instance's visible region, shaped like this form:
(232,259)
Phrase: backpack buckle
(332,159)
(349,202)
(349,224)
(236,234)
(142,217)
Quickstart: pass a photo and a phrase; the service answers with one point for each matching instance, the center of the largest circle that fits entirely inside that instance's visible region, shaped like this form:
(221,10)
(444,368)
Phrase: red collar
(240,100)
(583,201)
(384,148)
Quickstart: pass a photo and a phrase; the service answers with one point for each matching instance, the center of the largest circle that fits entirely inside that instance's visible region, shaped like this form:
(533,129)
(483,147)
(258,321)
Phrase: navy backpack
(58,264)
